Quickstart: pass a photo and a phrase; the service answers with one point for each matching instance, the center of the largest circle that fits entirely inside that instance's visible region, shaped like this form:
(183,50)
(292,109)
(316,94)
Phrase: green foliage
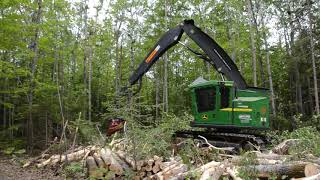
(155,140)
(281,123)
(309,140)
(87,131)
(191,154)
(12,147)
(74,170)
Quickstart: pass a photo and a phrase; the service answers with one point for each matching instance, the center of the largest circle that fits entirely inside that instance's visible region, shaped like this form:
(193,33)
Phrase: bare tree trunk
(85,58)
(89,83)
(314,69)
(165,77)
(131,65)
(298,93)
(273,103)
(310,95)
(230,35)
(117,80)
(257,37)
(157,78)
(34,45)
(4,107)
(253,45)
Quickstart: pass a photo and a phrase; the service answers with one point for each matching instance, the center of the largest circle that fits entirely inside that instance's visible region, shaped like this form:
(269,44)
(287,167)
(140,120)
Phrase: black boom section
(220,59)
(170,39)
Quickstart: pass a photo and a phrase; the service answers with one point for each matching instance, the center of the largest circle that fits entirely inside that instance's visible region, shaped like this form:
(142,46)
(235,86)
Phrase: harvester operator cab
(218,104)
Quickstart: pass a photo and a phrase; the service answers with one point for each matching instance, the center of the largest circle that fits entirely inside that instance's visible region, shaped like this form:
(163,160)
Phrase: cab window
(225,96)
(206,98)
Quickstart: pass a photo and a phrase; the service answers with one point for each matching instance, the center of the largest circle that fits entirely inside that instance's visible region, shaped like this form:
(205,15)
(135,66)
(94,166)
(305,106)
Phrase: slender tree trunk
(85,58)
(89,84)
(35,48)
(298,93)
(310,97)
(131,65)
(253,45)
(257,37)
(314,67)
(117,80)
(157,78)
(230,35)
(273,103)
(165,77)
(4,107)
(58,87)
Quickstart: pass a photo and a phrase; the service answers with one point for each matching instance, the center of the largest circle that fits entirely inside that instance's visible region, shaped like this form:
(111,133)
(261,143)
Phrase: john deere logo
(205,117)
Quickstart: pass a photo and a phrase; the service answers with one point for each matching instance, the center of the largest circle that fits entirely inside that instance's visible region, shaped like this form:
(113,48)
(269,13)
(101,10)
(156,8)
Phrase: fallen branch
(216,148)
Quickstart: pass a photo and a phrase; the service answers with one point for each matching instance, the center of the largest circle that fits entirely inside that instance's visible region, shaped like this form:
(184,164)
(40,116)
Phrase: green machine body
(220,105)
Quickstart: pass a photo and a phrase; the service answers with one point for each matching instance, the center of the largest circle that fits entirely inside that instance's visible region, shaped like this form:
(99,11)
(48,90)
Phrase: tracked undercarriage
(238,140)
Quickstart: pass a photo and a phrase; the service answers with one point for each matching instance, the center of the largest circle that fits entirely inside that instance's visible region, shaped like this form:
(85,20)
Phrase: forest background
(65,63)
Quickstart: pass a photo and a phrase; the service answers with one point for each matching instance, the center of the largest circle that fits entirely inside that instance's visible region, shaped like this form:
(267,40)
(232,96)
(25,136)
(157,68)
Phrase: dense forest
(65,63)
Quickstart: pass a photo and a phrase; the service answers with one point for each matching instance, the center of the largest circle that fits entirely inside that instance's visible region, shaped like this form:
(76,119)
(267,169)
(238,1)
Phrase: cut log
(166,164)
(92,168)
(99,161)
(122,163)
(200,170)
(170,166)
(283,147)
(150,162)
(311,169)
(233,172)
(156,168)
(174,171)
(142,174)
(106,159)
(157,158)
(149,174)
(127,159)
(213,173)
(290,170)
(148,168)
(272,156)
(75,156)
(207,166)
(114,166)
(140,164)
(239,160)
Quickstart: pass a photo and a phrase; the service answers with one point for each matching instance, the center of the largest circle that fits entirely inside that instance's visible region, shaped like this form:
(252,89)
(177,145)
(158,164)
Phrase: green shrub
(74,170)
(309,140)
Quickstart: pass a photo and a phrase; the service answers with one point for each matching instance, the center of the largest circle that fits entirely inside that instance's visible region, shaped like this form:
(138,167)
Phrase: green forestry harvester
(229,111)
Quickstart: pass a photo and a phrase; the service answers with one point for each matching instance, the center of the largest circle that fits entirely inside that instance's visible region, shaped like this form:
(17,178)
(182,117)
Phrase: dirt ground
(10,170)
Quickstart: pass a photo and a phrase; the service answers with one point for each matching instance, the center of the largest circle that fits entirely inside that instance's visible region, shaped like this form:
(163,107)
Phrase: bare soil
(12,170)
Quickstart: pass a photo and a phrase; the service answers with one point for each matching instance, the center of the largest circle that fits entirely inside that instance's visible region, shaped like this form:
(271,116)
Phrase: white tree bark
(314,69)
(253,45)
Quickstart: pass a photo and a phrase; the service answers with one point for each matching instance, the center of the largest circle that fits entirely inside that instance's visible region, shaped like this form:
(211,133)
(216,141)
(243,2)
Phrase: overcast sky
(271,24)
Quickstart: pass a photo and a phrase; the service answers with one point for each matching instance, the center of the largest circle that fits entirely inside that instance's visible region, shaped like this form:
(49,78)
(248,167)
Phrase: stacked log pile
(113,163)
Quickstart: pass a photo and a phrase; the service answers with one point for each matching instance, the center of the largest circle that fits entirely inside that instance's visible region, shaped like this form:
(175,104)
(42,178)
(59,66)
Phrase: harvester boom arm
(217,57)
